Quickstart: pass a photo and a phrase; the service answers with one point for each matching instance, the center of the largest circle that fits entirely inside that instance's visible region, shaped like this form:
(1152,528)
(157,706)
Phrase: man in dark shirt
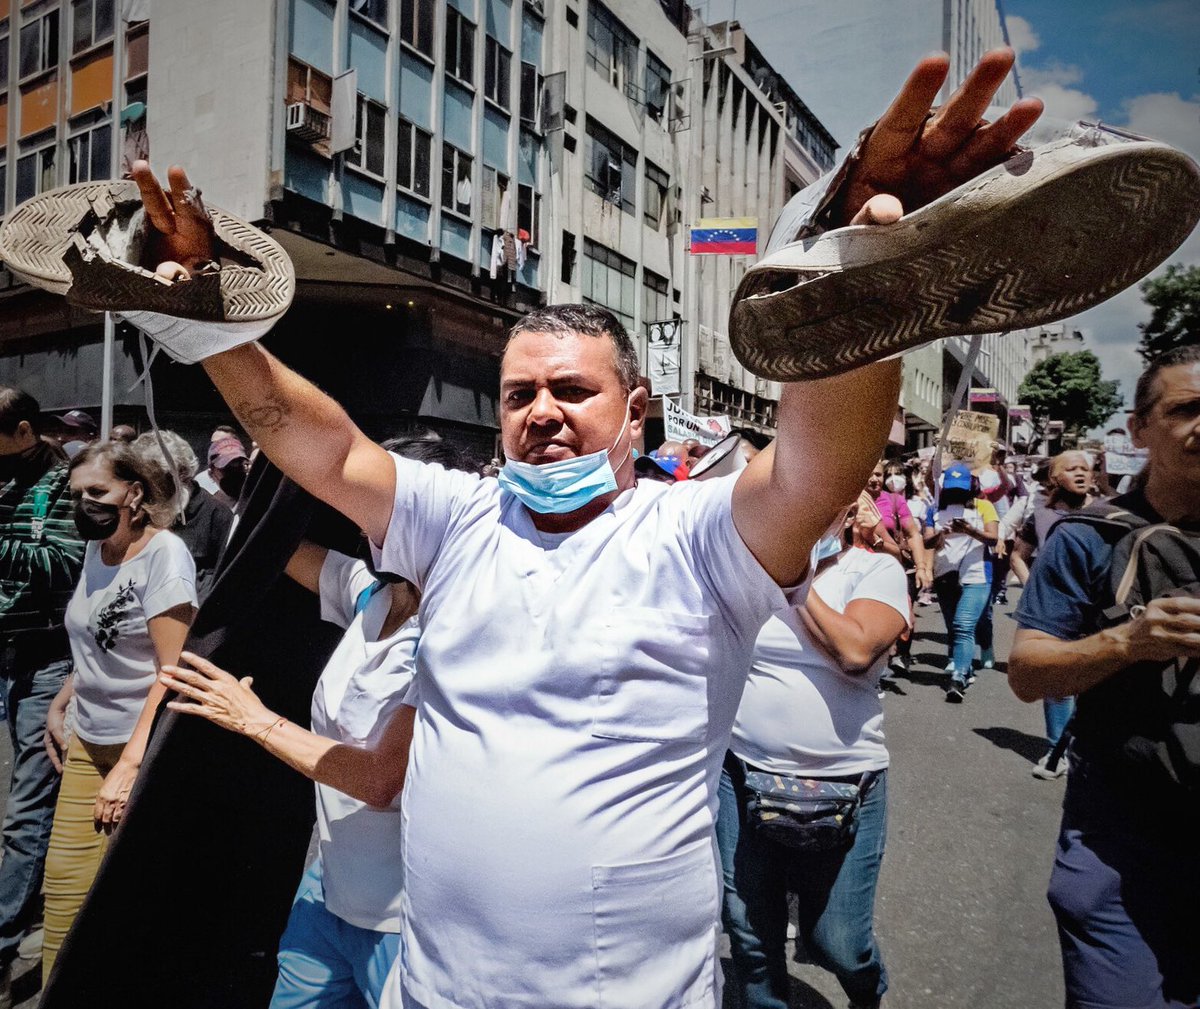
(40,559)
(1126,879)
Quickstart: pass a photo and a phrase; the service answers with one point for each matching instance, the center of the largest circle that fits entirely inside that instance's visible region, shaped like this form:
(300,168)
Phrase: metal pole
(106,387)
(114,171)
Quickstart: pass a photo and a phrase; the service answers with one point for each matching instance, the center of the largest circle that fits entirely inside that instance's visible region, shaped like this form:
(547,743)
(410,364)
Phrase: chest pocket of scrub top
(654,685)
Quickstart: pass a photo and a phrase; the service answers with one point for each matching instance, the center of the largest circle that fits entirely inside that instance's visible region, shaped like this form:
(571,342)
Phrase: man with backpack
(1111,614)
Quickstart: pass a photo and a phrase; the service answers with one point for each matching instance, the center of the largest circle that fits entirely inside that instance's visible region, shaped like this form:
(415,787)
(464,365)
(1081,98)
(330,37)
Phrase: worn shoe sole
(85,242)
(1044,236)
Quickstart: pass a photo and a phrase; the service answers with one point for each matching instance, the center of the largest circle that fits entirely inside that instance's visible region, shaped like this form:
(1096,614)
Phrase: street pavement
(962,915)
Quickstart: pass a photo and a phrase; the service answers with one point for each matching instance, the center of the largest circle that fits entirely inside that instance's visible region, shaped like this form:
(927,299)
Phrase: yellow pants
(76,847)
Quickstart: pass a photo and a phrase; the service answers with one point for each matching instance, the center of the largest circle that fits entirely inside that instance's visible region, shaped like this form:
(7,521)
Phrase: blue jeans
(837,904)
(32,794)
(962,606)
(1124,892)
(1058,711)
(324,961)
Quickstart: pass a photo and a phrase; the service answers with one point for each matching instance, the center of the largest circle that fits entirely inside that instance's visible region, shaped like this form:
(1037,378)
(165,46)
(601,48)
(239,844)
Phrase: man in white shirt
(585,637)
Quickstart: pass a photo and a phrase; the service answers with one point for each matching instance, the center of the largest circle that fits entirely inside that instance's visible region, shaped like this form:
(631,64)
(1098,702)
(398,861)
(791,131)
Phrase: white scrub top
(576,698)
(363,685)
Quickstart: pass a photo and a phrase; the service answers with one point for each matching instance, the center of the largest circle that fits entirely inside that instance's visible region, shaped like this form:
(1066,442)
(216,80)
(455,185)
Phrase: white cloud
(1166,116)
(1052,84)
(1021,35)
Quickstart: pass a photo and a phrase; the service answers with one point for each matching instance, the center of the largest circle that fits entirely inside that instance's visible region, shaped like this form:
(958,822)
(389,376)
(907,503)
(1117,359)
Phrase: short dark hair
(423,448)
(586,320)
(1146,395)
(17,405)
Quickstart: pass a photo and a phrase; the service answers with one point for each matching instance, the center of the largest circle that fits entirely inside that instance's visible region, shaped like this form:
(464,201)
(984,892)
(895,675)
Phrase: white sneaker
(1046,773)
(1049,233)
(86,242)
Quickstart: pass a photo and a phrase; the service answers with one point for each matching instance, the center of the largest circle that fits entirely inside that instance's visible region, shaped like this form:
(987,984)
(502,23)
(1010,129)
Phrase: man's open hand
(184,241)
(913,156)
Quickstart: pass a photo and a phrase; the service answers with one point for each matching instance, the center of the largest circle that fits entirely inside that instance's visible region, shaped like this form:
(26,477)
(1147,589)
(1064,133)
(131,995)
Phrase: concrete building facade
(434,168)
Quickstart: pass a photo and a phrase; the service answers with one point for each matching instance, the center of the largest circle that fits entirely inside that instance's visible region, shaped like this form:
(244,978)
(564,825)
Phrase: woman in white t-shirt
(343,933)
(964,529)
(129,616)
(811,709)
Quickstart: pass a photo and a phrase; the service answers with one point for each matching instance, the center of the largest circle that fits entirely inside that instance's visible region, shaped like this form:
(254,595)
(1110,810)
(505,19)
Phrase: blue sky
(1132,63)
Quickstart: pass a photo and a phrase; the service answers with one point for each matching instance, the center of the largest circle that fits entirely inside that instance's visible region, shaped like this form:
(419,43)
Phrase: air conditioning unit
(306,123)
(537,6)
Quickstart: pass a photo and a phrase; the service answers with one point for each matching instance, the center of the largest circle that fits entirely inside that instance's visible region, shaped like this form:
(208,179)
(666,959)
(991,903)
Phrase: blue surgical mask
(827,546)
(556,488)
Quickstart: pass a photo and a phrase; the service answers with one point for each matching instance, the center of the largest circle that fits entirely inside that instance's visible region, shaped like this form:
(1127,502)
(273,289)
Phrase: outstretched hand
(216,695)
(916,154)
(183,241)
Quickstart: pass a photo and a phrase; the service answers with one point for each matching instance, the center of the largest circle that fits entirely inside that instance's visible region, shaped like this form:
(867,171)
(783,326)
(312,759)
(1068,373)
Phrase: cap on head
(956,476)
(80,420)
(221,453)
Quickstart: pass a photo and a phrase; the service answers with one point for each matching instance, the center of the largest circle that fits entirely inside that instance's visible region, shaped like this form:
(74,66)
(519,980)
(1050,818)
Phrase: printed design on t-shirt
(105,624)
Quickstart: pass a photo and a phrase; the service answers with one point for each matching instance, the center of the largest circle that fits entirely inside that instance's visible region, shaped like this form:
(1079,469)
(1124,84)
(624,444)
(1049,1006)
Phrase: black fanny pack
(811,815)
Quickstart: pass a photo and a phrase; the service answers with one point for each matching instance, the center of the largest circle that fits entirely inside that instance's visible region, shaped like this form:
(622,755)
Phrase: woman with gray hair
(129,616)
(201,521)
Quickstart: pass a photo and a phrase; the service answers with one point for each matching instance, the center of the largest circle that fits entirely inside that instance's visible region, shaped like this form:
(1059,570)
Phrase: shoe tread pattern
(37,237)
(840,321)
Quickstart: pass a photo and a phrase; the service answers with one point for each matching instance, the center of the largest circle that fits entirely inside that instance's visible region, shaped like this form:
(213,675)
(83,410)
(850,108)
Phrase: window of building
(529,214)
(658,86)
(656,299)
(35,173)
(416,25)
(89,155)
(608,280)
(657,183)
(373,10)
(611,170)
(91,22)
(567,266)
(368,149)
(456,179)
(4,56)
(3,183)
(612,49)
(39,46)
(414,158)
(531,94)
(497,72)
(460,47)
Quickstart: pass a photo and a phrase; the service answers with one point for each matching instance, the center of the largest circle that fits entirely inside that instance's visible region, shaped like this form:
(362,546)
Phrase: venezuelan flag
(725,236)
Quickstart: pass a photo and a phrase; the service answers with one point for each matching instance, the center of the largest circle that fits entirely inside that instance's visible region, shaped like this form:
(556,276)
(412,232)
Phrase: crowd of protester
(637,685)
(123,535)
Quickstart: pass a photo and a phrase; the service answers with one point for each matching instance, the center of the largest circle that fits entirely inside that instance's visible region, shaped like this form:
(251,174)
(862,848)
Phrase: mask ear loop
(624,428)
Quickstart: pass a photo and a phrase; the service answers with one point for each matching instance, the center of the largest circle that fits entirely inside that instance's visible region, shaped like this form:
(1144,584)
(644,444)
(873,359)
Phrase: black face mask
(15,464)
(387,577)
(233,479)
(96,520)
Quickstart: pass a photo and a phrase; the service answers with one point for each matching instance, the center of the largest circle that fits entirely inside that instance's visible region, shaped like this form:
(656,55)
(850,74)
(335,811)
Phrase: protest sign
(681,425)
(970,438)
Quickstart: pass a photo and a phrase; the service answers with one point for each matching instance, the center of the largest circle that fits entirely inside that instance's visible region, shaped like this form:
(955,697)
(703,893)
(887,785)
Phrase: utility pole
(114,171)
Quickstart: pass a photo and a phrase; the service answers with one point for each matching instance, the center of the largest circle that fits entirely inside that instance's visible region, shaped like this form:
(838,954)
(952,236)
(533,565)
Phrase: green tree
(1068,387)
(1174,300)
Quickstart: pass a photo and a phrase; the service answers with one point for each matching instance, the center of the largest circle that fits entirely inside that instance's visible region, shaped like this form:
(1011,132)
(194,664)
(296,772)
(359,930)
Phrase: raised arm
(307,435)
(301,430)
(832,432)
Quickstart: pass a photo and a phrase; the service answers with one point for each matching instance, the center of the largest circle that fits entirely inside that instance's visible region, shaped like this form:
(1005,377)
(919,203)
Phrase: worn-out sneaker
(1047,234)
(86,242)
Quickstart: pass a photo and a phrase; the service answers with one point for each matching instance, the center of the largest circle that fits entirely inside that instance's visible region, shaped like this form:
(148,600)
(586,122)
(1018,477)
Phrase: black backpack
(1155,560)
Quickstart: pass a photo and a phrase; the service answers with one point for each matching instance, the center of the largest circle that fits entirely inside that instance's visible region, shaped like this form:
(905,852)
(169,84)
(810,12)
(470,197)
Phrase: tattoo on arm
(270,416)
